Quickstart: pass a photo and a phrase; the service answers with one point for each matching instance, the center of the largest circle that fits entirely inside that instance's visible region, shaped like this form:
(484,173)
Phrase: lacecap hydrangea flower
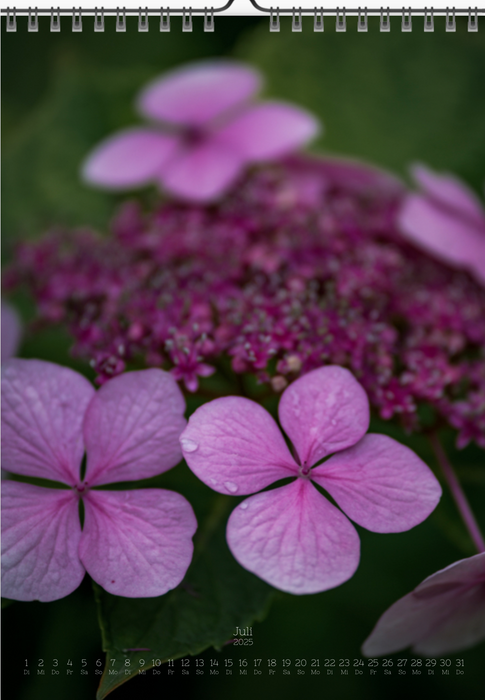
(300,265)
(292,536)
(446,219)
(204,130)
(444,614)
(133,543)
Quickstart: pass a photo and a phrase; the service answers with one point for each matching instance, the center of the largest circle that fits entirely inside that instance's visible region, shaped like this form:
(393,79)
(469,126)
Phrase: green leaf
(216,596)
(392,98)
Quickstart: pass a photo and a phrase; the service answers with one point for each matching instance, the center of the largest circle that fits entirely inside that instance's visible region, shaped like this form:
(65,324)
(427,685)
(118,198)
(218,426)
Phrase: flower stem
(458,494)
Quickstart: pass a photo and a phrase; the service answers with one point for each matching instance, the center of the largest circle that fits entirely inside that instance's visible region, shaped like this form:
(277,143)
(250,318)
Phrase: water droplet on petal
(213,482)
(230,486)
(244,505)
(189,445)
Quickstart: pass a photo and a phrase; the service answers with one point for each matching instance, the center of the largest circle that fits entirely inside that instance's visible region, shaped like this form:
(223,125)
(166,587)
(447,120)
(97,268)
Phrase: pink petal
(137,543)
(449,192)
(294,539)
(40,537)
(442,233)
(268,130)
(202,173)
(129,158)
(11,331)
(380,484)
(444,614)
(132,427)
(198,93)
(234,446)
(324,411)
(43,408)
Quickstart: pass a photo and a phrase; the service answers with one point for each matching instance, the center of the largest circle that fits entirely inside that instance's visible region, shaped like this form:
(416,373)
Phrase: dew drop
(244,505)
(189,445)
(231,486)
(213,482)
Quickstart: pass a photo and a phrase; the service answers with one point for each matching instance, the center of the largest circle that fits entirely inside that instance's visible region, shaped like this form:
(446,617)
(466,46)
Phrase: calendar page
(243,352)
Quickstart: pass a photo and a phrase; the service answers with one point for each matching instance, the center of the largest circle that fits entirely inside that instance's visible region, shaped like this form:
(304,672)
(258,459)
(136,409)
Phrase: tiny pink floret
(205,131)
(447,220)
(133,543)
(292,536)
(443,615)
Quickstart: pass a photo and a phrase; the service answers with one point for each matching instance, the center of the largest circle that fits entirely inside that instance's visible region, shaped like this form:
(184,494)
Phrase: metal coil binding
(362,21)
(473,21)
(340,23)
(274,21)
(428,20)
(208,20)
(450,21)
(407,22)
(55,20)
(77,22)
(98,21)
(11,21)
(33,24)
(120,21)
(143,20)
(385,23)
(318,21)
(187,21)
(164,21)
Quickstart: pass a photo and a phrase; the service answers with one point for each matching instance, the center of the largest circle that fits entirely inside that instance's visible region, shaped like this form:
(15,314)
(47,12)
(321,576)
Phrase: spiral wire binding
(121,21)
(274,18)
(385,23)
(473,21)
(33,24)
(164,22)
(208,21)
(77,22)
(274,21)
(99,21)
(55,20)
(428,21)
(187,21)
(407,22)
(340,23)
(362,21)
(318,21)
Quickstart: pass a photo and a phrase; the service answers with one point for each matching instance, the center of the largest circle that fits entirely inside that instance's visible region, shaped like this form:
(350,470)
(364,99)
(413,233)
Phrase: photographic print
(243,355)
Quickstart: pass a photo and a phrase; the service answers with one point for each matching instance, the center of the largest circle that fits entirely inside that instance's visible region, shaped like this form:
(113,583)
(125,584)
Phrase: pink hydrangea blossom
(444,614)
(447,220)
(204,131)
(133,543)
(11,331)
(292,536)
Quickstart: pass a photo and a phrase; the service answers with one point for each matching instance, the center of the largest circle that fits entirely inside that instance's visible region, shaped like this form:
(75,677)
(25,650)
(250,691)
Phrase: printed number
(214,662)
(185,663)
(228,662)
(55,663)
(373,663)
(445,662)
(402,662)
(127,663)
(329,663)
(199,662)
(358,662)
(315,662)
(41,662)
(271,662)
(156,662)
(387,663)
(419,662)
(300,662)
(99,663)
(243,662)
(344,662)
(286,662)
(141,662)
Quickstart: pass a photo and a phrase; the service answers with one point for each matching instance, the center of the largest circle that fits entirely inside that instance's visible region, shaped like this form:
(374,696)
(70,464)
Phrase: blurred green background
(392,98)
